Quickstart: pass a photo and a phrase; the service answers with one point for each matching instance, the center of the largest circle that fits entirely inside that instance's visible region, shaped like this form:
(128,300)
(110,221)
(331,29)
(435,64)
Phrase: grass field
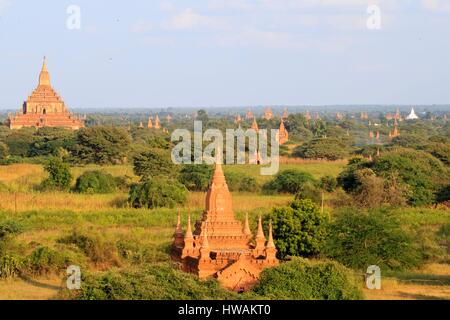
(48,217)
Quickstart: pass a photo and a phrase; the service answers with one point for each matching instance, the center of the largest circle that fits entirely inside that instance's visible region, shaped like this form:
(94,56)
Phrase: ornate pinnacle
(260,233)
(247,230)
(270,243)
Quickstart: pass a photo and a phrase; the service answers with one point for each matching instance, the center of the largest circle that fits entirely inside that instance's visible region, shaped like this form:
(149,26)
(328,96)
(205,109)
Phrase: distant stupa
(412,115)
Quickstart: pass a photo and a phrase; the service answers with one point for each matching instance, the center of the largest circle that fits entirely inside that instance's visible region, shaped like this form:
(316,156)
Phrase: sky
(206,53)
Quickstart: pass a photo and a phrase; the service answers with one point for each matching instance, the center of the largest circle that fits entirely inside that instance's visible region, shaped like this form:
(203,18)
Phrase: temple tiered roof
(44,108)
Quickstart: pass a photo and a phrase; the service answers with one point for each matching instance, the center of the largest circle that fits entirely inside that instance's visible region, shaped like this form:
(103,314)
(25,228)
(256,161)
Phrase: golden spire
(270,243)
(255,125)
(44,77)
(260,233)
(247,230)
(189,234)
(178,229)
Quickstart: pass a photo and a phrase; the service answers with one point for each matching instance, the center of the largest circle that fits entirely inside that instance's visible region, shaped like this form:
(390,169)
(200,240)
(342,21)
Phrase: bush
(4,151)
(328,183)
(248,184)
(322,148)
(289,181)
(157,193)
(59,178)
(196,177)
(309,191)
(96,247)
(301,279)
(359,239)
(299,229)
(419,170)
(95,182)
(101,145)
(241,183)
(154,164)
(44,261)
(10,266)
(152,283)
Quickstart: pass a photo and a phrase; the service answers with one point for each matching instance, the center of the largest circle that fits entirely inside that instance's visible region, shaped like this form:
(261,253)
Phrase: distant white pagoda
(412,115)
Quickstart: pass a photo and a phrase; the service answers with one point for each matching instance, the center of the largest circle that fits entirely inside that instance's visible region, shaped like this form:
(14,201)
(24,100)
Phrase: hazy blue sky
(162,53)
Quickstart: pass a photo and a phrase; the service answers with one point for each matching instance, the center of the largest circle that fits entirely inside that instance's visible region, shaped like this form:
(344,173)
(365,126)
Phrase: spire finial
(247,230)
(189,234)
(178,230)
(260,233)
(270,243)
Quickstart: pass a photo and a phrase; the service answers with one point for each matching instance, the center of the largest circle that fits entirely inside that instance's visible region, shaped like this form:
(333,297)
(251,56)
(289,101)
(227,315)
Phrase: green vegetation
(302,279)
(289,181)
(91,182)
(359,239)
(59,177)
(298,230)
(157,193)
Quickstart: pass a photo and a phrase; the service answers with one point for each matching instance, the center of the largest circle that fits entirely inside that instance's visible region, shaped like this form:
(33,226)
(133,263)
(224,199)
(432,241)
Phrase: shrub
(43,261)
(195,177)
(157,193)
(328,183)
(359,239)
(301,279)
(101,145)
(95,182)
(10,266)
(160,282)
(289,181)
(59,178)
(96,247)
(154,164)
(248,184)
(299,229)
(241,183)
(419,170)
(4,151)
(309,191)
(322,148)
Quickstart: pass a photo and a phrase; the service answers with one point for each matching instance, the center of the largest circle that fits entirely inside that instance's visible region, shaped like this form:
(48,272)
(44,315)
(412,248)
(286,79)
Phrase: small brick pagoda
(44,108)
(220,246)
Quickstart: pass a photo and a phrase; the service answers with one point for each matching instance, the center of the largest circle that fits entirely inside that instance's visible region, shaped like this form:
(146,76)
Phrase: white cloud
(189,20)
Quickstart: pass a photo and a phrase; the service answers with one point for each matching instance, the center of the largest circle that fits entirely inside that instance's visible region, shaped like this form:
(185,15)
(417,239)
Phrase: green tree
(4,151)
(322,148)
(95,182)
(157,193)
(298,230)
(59,177)
(195,177)
(154,163)
(359,239)
(288,181)
(101,145)
(302,279)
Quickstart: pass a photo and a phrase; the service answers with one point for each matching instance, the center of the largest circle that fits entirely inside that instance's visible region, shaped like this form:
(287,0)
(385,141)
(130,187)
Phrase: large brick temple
(44,108)
(220,245)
